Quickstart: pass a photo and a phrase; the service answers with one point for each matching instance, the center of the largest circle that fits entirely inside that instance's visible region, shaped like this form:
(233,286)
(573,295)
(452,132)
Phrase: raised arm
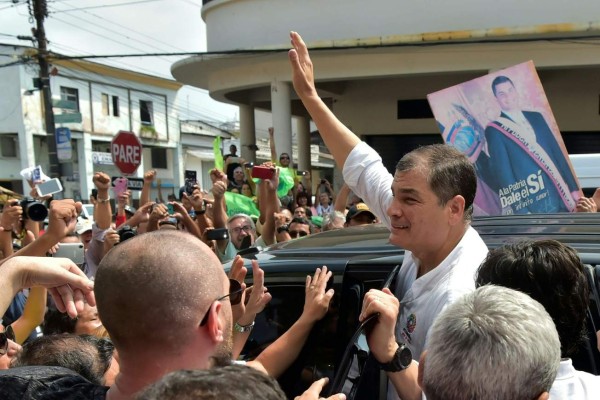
(280,354)
(102,209)
(272,145)
(148,179)
(342,198)
(337,137)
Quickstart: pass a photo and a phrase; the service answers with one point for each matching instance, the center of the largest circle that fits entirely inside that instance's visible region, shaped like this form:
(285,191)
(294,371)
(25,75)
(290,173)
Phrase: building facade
(95,102)
(375,62)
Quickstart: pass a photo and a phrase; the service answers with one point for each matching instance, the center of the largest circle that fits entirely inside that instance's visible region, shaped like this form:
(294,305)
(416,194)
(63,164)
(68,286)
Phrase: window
(9,146)
(72,95)
(115,104)
(414,109)
(159,157)
(146,113)
(105,105)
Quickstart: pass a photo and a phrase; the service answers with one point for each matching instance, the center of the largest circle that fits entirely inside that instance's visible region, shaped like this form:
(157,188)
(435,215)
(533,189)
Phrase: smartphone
(262,172)
(249,165)
(302,173)
(72,251)
(49,187)
(217,234)
(120,186)
(191,180)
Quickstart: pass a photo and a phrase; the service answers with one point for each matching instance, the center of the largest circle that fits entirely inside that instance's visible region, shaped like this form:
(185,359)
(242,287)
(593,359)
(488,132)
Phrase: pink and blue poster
(503,122)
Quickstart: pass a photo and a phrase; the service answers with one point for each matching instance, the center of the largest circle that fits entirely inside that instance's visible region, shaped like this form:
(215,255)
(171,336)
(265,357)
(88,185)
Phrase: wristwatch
(243,328)
(401,361)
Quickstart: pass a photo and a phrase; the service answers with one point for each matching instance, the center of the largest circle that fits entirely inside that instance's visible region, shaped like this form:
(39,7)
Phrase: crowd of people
(151,314)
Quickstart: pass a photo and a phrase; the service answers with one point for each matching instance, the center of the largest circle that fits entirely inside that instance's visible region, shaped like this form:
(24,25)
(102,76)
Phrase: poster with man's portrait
(503,122)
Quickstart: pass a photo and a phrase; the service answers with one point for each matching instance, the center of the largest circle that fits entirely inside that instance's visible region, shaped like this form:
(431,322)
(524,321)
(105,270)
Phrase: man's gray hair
(333,220)
(494,343)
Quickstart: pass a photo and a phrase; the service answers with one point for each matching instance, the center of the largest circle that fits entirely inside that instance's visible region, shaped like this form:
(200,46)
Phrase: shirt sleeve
(368,178)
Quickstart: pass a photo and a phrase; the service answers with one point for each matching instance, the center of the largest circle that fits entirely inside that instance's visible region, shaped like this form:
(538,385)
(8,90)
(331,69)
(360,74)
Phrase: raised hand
(62,217)
(302,68)
(101,181)
(316,302)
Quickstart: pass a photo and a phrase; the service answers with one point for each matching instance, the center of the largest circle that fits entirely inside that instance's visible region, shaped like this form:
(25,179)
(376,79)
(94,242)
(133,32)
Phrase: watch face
(405,356)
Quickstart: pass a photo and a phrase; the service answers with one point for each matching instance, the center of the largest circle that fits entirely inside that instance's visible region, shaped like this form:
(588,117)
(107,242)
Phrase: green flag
(218,154)
(238,203)
(286,181)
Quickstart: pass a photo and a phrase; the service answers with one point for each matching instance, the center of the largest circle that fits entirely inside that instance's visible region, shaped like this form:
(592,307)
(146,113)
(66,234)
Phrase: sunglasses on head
(5,336)
(235,296)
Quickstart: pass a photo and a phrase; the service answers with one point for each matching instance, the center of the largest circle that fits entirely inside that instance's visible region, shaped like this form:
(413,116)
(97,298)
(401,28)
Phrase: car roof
(578,230)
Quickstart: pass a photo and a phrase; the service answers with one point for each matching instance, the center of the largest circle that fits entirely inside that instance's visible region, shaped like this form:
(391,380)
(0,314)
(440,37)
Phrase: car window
(316,359)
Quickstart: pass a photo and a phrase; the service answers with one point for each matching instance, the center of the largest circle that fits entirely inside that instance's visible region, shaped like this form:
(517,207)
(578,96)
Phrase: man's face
(324,199)
(297,230)
(419,223)
(239,228)
(284,159)
(238,175)
(507,96)
(300,212)
(86,238)
(87,321)
(361,219)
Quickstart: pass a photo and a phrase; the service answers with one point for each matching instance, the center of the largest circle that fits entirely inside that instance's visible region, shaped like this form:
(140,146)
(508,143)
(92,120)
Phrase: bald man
(161,298)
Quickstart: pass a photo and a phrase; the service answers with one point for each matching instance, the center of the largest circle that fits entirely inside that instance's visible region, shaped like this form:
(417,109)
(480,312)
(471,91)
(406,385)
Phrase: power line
(109,5)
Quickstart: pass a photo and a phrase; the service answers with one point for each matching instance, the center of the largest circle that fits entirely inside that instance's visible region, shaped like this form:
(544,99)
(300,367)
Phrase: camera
(126,232)
(33,209)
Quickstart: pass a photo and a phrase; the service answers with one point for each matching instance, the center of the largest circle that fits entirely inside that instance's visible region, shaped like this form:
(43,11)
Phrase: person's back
(493,343)
(551,273)
(157,297)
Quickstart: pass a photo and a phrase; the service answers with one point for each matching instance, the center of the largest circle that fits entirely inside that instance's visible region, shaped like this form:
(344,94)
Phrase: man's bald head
(154,287)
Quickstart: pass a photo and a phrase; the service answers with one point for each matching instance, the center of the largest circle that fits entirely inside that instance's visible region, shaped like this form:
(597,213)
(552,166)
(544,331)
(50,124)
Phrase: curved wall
(246,24)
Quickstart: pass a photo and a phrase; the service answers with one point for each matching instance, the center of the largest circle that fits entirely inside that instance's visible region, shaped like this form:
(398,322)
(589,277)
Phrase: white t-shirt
(574,385)
(422,299)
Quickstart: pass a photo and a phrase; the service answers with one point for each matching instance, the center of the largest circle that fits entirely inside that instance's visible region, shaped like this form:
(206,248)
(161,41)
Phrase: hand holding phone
(120,186)
(262,172)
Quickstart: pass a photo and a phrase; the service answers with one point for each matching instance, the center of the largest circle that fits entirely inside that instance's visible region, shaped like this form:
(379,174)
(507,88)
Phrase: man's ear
(421,369)
(456,209)
(214,325)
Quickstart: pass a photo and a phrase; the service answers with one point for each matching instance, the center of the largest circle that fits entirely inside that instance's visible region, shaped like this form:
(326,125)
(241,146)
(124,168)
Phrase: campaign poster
(503,122)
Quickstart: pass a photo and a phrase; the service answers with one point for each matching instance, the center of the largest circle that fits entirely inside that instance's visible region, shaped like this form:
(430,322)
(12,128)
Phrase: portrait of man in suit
(531,173)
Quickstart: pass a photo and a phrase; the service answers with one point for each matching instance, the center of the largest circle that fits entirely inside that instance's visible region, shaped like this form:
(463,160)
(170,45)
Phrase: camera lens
(34,210)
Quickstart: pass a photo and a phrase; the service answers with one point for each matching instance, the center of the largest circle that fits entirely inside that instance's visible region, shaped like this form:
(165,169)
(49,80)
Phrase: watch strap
(243,328)
(401,360)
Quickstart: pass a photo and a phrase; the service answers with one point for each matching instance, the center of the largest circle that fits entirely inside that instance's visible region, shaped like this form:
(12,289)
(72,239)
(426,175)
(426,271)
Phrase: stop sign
(126,151)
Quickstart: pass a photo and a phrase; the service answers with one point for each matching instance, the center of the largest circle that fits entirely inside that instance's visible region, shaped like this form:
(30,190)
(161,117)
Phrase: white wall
(268,22)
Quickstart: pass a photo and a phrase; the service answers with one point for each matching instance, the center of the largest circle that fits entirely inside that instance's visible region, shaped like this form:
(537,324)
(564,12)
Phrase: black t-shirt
(47,383)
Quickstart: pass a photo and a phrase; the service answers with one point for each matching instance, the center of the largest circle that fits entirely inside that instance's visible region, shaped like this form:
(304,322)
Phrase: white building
(94,101)
(376,61)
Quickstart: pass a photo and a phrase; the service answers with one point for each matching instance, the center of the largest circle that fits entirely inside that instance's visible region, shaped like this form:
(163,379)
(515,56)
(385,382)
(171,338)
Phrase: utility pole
(40,12)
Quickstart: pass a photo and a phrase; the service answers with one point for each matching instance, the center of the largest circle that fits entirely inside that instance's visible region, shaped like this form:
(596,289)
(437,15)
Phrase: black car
(361,258)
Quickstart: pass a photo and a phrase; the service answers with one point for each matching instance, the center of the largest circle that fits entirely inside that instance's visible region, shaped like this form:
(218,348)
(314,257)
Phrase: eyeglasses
(4,337)
(235,296)
(284,158)
(295,234)
(239,229)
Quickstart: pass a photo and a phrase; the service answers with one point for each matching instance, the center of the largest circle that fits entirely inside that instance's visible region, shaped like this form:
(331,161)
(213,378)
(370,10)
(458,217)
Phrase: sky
(85,27)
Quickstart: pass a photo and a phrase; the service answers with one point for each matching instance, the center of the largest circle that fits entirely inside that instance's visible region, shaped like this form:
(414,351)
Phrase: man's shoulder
(44,382)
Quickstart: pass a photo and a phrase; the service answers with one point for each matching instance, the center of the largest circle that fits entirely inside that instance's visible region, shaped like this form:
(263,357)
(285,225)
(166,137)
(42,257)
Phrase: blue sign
(63,144)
